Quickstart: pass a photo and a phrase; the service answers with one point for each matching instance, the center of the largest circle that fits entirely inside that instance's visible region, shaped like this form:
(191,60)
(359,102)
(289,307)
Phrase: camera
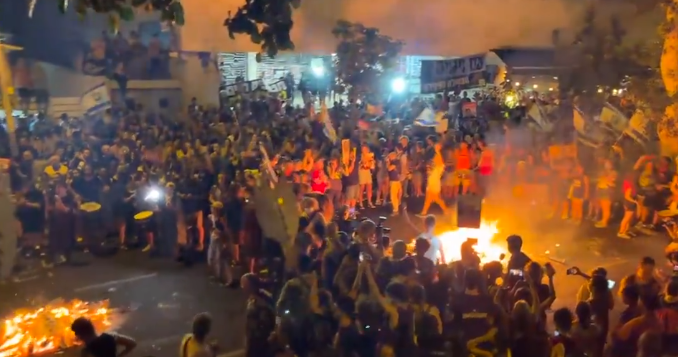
(382,234)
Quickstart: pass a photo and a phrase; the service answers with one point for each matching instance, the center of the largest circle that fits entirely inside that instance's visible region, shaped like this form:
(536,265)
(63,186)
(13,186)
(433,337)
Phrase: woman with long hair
(579,193)
(630,206)
(607,181)
(367,165)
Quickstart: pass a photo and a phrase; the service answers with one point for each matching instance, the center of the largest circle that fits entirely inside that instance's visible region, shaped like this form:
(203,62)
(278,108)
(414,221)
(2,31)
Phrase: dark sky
(48,36)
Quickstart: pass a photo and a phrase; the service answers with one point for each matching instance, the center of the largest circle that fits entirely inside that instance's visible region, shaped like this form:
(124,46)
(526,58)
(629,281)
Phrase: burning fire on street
(48,329)
(487,250)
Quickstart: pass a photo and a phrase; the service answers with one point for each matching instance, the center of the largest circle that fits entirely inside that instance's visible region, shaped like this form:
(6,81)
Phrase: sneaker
(147,248)
(623,235)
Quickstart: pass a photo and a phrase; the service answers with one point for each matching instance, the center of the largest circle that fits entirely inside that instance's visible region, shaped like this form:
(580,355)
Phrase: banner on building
(452,74)
(96,100)
(231,90)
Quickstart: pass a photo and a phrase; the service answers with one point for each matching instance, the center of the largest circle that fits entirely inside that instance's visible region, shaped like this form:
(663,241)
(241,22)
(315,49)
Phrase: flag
(324,117)
(537,114)
(267,164)
(578,121)
(638,127)
(613,119)
(95,100)
(426,118)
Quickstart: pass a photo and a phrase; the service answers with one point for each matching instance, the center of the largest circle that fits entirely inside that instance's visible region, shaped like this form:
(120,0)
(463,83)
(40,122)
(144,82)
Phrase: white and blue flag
(96,100)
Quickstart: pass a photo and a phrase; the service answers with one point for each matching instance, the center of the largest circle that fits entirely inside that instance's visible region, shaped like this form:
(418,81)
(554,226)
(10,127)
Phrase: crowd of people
(187,189)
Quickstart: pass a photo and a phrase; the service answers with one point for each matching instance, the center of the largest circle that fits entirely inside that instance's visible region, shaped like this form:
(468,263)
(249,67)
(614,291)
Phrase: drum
(91,220)
(144,225)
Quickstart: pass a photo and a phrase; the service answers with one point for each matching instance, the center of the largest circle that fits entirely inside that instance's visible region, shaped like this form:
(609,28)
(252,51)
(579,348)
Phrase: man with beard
(61,238)
(88,186)
(193,194)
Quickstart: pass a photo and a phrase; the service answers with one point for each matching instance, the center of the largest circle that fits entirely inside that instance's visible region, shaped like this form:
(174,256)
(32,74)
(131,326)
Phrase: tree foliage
(267,23)
(598,57)
(123,10)
(365,59)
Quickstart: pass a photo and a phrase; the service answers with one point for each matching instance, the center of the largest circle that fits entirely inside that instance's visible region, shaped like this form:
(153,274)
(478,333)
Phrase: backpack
(426,325)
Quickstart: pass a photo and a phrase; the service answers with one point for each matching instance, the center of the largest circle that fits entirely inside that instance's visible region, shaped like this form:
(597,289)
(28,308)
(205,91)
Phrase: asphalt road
(160,297)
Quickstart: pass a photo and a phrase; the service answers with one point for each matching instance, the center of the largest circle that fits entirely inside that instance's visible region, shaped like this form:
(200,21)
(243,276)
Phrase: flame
(487,250)
(48,329)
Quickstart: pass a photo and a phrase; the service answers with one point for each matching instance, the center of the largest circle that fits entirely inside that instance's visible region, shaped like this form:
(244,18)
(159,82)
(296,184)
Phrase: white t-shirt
(433,253)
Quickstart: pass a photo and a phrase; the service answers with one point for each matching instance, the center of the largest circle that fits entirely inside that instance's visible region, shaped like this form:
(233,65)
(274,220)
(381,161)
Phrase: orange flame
(487,250)
(48,329)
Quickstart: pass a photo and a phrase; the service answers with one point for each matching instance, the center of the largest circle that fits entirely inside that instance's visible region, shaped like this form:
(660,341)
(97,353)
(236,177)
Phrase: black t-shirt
(103,345)
(32,219)
(233,211)
(88,188)
(353,179)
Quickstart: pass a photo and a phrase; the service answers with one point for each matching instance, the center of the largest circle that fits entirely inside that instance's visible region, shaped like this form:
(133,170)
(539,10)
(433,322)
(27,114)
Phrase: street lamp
(318,71)
(398,85)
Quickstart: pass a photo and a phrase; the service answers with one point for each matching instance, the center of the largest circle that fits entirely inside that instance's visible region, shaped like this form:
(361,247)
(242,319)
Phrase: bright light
(535,86)
(398,85)
(550,89)
(509,98)
(486,249)
(318,71)
(517,83)
(600,90)
(153,194)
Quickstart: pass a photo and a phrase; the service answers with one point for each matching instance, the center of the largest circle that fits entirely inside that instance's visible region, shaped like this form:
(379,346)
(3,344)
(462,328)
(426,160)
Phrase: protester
(194,187)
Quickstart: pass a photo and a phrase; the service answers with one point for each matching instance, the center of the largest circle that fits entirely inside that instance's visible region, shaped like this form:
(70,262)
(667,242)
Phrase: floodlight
(398,85)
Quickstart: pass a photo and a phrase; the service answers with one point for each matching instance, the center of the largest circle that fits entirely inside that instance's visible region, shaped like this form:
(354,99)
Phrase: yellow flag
(578,121)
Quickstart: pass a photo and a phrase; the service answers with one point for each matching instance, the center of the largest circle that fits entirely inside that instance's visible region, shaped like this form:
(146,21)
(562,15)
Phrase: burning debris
(48,329)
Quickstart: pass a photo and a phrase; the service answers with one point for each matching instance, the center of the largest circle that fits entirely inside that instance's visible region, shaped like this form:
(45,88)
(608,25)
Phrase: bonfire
(486,248)
(48,329)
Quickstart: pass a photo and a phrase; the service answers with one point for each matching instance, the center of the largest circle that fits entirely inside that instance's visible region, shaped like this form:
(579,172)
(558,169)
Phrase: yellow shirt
(52,173)
(189,347)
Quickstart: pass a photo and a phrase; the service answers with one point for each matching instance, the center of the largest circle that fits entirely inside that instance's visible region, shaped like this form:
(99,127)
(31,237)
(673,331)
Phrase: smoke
(433,27)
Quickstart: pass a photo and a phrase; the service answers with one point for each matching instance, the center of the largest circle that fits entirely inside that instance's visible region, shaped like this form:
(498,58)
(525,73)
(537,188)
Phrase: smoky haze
(432,27)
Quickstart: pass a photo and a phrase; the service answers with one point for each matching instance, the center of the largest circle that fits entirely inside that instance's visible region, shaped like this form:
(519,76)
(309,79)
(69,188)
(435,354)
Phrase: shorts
(462,177)
(365,177)
(352,192)
(629,206)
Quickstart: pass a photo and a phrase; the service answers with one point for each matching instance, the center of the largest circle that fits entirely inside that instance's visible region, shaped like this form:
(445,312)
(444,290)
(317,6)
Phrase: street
(158,297)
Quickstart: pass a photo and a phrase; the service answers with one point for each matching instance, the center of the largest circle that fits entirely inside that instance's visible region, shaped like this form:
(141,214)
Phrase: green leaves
(123,10)
(365,59)
(267,23)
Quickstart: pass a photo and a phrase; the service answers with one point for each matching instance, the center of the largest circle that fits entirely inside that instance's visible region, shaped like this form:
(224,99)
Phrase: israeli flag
(95,100)
(427,118)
